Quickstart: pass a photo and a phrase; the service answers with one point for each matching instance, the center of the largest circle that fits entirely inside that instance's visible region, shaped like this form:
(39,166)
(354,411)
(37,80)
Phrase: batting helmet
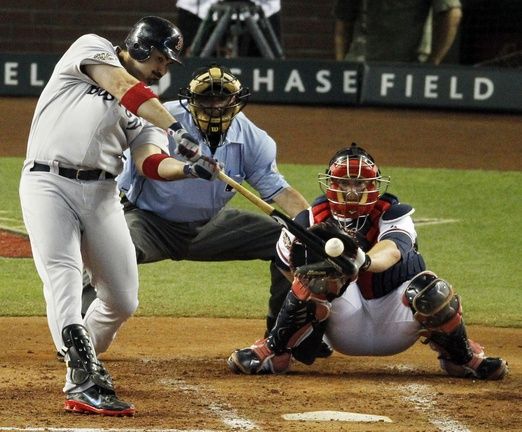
(153,31)
(214,97)
(352,183)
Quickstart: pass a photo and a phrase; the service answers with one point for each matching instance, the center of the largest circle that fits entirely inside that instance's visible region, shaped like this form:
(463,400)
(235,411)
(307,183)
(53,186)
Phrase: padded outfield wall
(318,82)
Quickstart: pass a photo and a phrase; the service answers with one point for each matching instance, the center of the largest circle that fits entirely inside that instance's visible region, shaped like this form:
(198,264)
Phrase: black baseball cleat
(258,359)
(325,350)
(97,400)
(479,367)
(491,368)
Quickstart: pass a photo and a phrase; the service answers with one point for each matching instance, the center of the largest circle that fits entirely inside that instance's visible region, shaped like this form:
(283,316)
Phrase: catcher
(384,305)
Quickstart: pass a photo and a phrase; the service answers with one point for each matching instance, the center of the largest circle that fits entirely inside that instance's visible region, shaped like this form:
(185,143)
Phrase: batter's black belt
(74,173)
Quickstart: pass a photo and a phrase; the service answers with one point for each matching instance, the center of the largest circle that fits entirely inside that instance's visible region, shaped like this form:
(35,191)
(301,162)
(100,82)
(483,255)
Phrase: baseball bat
(315,243)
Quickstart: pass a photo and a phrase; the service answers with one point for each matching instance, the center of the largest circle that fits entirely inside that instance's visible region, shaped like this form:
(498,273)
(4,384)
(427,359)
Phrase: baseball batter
(95,106)
(385,305)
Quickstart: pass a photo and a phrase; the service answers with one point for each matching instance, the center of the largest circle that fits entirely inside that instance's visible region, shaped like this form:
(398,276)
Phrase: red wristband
(135,96)
(151,164)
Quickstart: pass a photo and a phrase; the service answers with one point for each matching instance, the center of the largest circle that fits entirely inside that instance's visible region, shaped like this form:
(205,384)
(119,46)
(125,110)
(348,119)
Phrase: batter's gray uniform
(75,217)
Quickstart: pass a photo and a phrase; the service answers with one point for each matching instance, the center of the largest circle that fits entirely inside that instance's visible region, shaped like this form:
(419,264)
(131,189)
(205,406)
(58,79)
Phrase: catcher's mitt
(317,273)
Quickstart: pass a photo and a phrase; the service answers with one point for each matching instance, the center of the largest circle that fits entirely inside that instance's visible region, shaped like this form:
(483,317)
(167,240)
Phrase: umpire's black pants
(230,235)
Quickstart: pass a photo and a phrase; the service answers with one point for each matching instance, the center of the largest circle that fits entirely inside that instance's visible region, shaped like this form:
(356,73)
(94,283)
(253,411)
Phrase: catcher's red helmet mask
(352,183)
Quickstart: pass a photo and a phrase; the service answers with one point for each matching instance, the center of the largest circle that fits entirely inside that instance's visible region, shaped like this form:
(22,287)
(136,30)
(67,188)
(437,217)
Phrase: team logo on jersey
(98,91)
(287,242)
(104,56)
(134,123)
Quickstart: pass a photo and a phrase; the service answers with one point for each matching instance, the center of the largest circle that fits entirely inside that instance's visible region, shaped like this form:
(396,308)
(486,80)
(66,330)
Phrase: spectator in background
(191,14)
(395,30)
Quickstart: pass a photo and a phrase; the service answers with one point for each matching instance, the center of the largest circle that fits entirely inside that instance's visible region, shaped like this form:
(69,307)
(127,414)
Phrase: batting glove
(186,145)
(205,168)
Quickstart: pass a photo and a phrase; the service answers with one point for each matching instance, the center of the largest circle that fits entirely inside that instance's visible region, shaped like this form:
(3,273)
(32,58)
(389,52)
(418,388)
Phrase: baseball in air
(334,247)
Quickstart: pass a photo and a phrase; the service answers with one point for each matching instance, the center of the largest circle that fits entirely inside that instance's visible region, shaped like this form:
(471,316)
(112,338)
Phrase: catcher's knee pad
(434,303)
(82,358)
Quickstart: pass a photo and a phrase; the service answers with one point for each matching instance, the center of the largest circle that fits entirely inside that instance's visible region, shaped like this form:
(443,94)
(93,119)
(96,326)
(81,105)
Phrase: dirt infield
(175,373)
(174,369)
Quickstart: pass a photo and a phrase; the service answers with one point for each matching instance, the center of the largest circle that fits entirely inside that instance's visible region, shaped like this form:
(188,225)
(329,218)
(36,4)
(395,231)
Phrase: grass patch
(476,252)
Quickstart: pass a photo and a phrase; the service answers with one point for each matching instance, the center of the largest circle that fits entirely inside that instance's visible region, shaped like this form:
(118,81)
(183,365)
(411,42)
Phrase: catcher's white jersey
(81,125)
(361,326)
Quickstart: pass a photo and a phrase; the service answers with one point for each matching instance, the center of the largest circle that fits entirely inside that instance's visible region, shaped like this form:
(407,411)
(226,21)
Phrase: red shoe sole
(82,408)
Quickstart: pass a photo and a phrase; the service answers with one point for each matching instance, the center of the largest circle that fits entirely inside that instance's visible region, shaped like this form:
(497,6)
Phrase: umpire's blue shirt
(248,153)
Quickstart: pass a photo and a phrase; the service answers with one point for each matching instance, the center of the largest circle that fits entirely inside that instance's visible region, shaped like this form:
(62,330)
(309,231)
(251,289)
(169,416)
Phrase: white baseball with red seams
(334,247)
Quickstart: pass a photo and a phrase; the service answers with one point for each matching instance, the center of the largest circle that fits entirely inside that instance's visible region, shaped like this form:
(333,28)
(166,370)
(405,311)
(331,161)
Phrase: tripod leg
(259,38)
(203,29)
(217,34)
(271,37)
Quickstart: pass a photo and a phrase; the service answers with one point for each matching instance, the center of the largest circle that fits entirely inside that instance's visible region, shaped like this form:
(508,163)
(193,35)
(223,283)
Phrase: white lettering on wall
(454,94)
(323,78)
(387,82)
(483,88)
(294,81)
(34,76)
(11,73)
(350,82)
(409,85)
(430,87)
(267,80)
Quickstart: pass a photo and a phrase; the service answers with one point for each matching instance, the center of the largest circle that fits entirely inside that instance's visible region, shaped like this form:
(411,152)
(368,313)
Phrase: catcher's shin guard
(438,309)
(298,321)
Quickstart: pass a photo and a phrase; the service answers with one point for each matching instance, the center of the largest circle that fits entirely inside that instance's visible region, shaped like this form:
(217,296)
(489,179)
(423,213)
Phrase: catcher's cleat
(97,400)
(325,350)
(479,367)
(258,359)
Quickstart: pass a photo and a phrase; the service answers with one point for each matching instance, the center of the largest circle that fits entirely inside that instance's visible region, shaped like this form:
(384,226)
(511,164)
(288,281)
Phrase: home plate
(336,416)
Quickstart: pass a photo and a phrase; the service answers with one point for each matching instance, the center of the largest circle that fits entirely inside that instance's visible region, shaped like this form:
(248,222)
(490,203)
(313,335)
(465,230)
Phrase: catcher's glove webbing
(319,275)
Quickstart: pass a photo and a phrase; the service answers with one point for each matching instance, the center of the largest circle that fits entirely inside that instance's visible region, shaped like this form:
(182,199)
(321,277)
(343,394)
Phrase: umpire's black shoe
(97,400)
